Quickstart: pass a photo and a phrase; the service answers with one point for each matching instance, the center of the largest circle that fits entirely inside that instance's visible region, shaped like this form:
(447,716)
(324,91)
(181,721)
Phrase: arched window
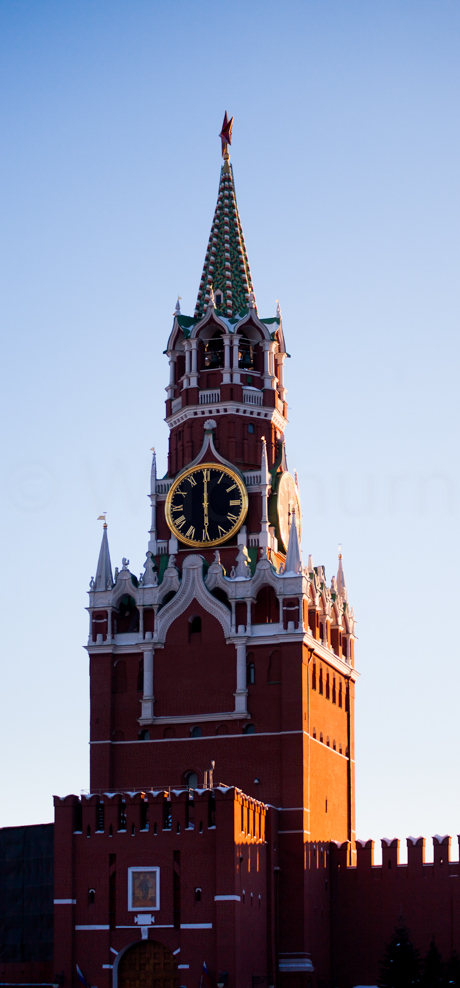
(196,732)
(314,733)
(313,677)
(91,896)
(274,667)
(249,729)
(119,677)
(251,428)
(194,628)
(219,299)
(321,737)
(340,693)
(266,609)
(321,679)
(214,351)
(128,616)
(191,780)
(197,895)
(251,676)
(334,694)
(327,686)
(144,735)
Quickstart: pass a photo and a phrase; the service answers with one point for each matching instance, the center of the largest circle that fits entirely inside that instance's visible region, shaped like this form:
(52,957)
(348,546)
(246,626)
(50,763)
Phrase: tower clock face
(288,501)
(206,505)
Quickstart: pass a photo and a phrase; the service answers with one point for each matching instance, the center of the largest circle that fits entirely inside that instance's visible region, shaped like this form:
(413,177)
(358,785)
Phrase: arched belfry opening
(214,351)
(127,616)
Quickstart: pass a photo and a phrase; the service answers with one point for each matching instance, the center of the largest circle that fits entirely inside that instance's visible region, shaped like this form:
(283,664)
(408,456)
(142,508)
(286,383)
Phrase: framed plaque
(143,889)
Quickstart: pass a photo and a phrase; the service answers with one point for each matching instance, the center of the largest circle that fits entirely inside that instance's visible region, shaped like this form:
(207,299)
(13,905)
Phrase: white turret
(104,579)
(293,564)
(265,482)
(153,502)
(341,585)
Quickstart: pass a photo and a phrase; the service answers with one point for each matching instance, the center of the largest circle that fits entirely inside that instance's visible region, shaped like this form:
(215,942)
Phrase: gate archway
(147,964)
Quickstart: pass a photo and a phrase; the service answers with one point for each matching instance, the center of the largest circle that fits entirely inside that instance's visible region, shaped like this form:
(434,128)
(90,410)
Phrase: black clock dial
(206,505)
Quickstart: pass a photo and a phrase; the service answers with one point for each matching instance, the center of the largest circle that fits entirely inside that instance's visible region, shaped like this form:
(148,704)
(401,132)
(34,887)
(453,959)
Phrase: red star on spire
(226,133)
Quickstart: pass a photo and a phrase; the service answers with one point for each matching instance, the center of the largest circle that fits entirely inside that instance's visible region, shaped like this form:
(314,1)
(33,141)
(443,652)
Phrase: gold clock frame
(193,543)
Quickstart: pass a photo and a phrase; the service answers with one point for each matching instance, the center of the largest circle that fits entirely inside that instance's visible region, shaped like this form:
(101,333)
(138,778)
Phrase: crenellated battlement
(342,855)
(164,811)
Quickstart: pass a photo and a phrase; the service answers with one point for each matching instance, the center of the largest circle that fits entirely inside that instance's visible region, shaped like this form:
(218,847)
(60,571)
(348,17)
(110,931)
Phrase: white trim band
(227,898)
(95,927)
(65,902)
(195,926)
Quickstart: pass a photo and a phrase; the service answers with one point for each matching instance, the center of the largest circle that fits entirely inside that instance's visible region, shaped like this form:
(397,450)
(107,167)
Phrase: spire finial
(177,309)
(103,518)
(226,136)
(341,584)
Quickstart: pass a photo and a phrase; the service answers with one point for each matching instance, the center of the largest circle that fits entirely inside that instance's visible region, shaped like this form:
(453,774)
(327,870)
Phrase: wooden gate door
(147,964)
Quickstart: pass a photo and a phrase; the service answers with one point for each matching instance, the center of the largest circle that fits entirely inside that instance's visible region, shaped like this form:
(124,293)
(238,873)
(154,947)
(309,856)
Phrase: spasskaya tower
(227,649)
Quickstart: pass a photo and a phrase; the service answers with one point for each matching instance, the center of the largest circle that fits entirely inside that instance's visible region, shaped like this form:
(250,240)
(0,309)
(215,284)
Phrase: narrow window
(327,687)
(91,896)
(314,733)
(111,830)
(178,827)
(249,729)
(251,674)
(194,629)
(122,816)
(88,831)
(333,745)
(334,696)
(197,895)
(313,677)
(251,427)
(133,830)
(321,679)
(155,829)
(140,675)
(144,814)
(346,700)
(327,742)
(167,814)
(321,737)
(196,732)
(340,693)
(191,780)
(144,735)
(100,817)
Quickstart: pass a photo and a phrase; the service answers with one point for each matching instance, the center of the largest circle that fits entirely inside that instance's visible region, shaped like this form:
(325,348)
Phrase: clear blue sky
(346,157)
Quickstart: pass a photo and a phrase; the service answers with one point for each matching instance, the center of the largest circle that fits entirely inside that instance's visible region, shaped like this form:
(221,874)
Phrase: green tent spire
(226,266)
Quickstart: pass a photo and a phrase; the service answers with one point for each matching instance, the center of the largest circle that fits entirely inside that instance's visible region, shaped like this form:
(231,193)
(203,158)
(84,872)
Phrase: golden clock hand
(205,495)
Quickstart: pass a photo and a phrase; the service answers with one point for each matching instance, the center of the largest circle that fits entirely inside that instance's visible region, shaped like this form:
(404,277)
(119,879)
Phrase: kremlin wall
(216,845)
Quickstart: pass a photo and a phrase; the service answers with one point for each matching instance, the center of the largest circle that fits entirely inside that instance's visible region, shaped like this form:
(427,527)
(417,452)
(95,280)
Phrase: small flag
(81,977)
(204,980)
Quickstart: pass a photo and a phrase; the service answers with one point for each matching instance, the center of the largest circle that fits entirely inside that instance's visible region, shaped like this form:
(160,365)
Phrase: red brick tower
(228,650)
